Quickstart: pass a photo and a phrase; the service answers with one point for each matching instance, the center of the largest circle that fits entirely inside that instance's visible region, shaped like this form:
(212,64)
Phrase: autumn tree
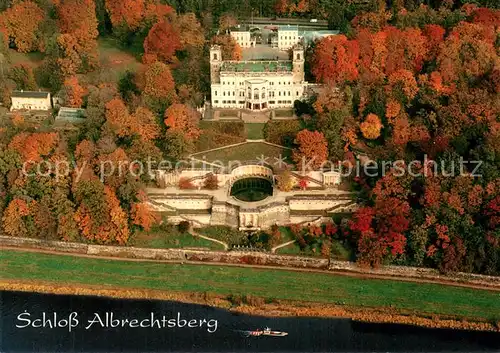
(191,33)
(312,149)
(162,41)
(227,21)
(126,12)
(158,82)
(229,47)
(285,181)
(14,218)
(33,147)
(23,76)
(141,123)
(183,119)
(78,18)
(73,92)
(144,216)
(99,215)
(20,24)
(335,59)
(371,127)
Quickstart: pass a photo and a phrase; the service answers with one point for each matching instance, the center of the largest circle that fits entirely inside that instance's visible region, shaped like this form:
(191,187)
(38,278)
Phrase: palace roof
(256,66)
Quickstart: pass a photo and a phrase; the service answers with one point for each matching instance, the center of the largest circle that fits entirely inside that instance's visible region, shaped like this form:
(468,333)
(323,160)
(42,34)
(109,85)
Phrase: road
(304,23)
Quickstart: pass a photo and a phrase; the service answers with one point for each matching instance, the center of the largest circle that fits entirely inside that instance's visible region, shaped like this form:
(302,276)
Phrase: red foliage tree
(162,42)
(335,59)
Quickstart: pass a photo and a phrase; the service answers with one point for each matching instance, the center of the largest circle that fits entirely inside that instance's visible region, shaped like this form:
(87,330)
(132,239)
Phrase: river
(219,331)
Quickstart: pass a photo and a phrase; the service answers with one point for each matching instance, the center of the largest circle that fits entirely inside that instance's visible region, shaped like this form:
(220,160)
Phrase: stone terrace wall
(252,258)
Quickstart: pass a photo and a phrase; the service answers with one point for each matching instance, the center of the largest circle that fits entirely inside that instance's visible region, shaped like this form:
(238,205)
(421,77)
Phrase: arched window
(256,93)
(298,56)
(215,56)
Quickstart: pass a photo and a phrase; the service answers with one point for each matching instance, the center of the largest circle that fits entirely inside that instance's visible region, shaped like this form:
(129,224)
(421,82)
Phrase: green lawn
(245,152)
(33,59)
(172,240)
(114,59)
(255,131)
(278,284)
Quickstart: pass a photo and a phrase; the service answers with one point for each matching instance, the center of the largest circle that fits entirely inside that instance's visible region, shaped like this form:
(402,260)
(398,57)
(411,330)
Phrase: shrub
(281,132)
(226,234)
(211,182)
(183,226)
(185,183)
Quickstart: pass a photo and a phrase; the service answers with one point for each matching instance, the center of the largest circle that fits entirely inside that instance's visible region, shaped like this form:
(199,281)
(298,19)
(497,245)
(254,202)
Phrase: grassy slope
(279,284)
(246,152)
(165,240)
(254,131)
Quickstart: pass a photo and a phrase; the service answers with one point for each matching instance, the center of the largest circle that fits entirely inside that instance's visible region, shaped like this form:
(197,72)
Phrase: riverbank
(275,292)
(279,308)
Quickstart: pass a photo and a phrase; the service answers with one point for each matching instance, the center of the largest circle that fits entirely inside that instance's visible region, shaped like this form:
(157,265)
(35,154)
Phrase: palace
(259,84)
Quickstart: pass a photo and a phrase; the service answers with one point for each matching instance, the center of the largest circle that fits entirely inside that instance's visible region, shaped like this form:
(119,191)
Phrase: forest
(404,81)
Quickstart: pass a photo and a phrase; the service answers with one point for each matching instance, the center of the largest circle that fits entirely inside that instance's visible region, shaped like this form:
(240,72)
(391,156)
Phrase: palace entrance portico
(256,94)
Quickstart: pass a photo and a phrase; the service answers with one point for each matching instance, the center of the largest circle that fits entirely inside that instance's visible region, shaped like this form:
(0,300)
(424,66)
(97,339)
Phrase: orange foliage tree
(99,215)
(126,12)
(143,215)
(371,127)
(20,24)
(69,59)
(74,92)
(13,218)
(78,18)
(142,123)
(229,47)
(184,119)
(32,147)
(312,149)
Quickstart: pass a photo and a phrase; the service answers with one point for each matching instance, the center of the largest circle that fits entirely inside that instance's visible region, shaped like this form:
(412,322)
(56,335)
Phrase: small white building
(30,100)
(243,37)
(288,37)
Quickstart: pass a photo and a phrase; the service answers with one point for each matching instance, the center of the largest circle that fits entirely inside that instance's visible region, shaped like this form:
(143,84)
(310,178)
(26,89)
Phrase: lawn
(115,59)
(217,134)
(31,59)
(255,131)
(159,240)
(249,151)
(278,284)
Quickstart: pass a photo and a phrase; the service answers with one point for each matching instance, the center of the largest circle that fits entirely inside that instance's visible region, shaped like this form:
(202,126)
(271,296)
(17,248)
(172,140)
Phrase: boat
(266,332)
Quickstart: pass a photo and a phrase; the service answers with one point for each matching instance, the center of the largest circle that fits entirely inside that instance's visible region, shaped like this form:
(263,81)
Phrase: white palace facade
(256,85)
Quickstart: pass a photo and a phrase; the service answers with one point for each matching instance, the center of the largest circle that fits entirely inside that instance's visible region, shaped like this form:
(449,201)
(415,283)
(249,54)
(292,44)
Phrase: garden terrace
(248,151)
(256,66)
